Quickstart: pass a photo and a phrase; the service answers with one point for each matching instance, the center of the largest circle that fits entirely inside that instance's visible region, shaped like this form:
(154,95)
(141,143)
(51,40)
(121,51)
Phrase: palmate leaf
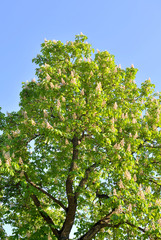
(84,150)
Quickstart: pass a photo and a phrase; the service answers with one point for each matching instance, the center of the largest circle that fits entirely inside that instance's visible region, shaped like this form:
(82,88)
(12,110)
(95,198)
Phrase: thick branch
(132,225)
(141,229)
(72,201)
(85,179)
(104,222)
(45,216)
(46,193)
(155,182)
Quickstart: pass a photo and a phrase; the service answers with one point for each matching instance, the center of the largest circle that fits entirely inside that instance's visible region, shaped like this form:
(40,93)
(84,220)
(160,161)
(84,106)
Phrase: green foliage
(84,149)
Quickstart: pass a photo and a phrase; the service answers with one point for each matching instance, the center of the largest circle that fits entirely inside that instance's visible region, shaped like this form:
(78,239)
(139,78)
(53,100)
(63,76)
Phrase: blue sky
(131,30)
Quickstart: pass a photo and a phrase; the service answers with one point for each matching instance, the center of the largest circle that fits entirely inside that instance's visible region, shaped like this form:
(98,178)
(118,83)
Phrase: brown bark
(45,192)
(44,215)
(72,201)
(104,222)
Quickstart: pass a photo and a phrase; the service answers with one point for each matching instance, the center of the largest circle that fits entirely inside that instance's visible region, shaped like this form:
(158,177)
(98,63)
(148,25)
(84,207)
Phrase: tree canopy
(84,150)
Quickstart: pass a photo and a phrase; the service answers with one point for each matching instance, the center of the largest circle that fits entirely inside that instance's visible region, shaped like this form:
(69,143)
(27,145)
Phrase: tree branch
(72,201)
(85,179)
(141,229)
(44,215)
(45,192)
(104,222)
(153,181)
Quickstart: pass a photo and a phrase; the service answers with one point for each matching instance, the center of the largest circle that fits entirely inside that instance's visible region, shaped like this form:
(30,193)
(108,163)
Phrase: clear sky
(131,30)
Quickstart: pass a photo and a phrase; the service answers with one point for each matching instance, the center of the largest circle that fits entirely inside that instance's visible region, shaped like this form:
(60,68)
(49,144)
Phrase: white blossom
(33,122)
(129,148)
(58,104)
(82,92)
(117,146)
(73,81)
(8,161)
(99,87)
(21,173)
(59,71)
(113,128)
(134,120)
(148,189)
(119,209)
(51,85)
(45,113)
(48,125)
(130,208)
(147,114)
(74,116)
(132,65)
(20,160)
(25,122)
(135,178)
(46,87)
(158,202)
(114,192)
(25,114)
(154,127)
(66,141)
(62,118)
(48,77)
(9,137)
(141,193)
(136,135)
(103,103)
(16,133)
(46,65)
(122,142)
(113,120)
(6,155)
(72,74)
(57,86)
(115,106)
(121,184)
(127,175)
(62,81)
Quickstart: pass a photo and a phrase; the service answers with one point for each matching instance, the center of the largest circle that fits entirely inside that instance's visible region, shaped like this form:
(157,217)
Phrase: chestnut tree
(83,151)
